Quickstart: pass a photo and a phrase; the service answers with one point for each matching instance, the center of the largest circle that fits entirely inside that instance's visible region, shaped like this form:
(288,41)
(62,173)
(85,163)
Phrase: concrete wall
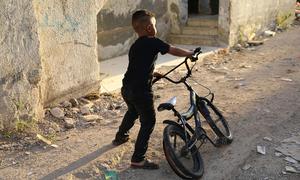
(20,63)
(48,52)
(115,34)
(249,18)
(68,42)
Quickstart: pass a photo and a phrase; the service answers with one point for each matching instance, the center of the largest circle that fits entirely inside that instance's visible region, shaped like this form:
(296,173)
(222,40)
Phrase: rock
(277,154)
(84,101)
(85,110)
(27,153)
(90,118)
(238,47)
(69,123)
(246,167)
(75,110)
(261,150)
(66,104)
(57,112)
(74,102)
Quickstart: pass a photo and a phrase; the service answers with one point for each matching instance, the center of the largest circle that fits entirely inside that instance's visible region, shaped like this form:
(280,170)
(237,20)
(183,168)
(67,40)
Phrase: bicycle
(180,138)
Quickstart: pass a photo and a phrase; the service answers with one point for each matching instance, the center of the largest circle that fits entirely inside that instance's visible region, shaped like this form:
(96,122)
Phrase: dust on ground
(257,88)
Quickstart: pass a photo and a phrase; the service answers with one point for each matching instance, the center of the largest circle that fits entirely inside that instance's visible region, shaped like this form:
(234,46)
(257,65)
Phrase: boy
(137,85)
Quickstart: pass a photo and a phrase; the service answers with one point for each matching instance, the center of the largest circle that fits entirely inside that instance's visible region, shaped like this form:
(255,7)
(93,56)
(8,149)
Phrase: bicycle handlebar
(194,58)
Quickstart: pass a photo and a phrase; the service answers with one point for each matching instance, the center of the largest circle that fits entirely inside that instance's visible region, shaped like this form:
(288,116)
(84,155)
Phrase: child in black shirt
(137,85)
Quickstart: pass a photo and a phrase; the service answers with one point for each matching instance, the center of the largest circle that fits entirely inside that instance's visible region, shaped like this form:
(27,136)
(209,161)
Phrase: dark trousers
(140,104)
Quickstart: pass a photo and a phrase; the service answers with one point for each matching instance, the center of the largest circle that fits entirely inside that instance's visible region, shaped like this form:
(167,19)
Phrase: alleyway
(258,90)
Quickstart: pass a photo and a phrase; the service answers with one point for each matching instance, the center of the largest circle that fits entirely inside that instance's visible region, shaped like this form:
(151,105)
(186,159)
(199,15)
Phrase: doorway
(203,7)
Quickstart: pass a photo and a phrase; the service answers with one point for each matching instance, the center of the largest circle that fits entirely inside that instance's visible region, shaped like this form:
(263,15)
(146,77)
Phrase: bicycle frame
(195,103)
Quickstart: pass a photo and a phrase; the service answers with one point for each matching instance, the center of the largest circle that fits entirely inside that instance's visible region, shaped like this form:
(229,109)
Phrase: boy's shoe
(119,141)
(146,164)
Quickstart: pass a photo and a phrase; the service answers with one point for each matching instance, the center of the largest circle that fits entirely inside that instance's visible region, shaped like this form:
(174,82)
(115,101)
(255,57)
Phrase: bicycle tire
(179,167)
(208,109)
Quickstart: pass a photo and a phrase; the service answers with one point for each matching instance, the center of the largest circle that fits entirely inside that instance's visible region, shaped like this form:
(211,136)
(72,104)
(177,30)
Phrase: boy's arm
(180,52)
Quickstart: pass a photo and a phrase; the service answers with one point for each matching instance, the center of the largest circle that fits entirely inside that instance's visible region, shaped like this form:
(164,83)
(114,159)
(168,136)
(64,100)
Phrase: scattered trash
(111,175)
(246,167)
(291,160)
(261,149)
(290,147)
(290,169)
(286,79)
(267,138)
(42,138)
(269,33)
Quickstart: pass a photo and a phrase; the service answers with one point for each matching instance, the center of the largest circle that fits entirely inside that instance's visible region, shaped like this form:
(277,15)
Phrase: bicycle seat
(167,105)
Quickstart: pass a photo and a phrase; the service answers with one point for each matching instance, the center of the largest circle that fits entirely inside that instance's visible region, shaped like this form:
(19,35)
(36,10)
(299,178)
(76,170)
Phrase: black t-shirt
(142,57)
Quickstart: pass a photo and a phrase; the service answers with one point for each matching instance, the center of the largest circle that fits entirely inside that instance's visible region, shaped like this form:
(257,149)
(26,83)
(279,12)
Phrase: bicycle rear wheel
(216,120)
(187,164)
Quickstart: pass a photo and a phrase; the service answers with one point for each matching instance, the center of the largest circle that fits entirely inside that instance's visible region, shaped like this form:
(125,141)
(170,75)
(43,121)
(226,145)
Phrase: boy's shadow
(78,163)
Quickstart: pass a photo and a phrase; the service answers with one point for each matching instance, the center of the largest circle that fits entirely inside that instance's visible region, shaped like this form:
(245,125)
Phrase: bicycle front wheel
(187,164)
(216,121)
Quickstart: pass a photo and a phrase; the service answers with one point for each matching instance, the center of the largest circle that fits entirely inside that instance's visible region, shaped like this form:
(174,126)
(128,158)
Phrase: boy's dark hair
(141,17)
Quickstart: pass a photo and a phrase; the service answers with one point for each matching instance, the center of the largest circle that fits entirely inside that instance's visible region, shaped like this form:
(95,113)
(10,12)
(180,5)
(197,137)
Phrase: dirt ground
(257,89)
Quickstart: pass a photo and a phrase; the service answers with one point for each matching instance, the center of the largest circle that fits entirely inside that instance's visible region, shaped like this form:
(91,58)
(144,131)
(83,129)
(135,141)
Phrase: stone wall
(20,63)
(68,44)
(249,18)
(48,52)
(115,34)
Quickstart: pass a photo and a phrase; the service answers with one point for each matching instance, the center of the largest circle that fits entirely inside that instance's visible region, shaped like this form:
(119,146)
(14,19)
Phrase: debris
(90,118)
(84,101)
(85,110)
(92,96)
(255,43)
(245,66)
(261,149)
(45,140)
(286,79)
(69,123)
(238,47)
(290,169)
(112,175)
(29,174)
(291,160)
(239,85)
(57,112)
(222,70)
(290,147)
(27,153)
(283,172)
(269,33)
(246,167)
(74,102)
(66,104)
(267,138)
(278,154)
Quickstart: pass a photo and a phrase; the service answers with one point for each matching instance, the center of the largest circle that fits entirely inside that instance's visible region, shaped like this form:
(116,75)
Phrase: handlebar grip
(197,51)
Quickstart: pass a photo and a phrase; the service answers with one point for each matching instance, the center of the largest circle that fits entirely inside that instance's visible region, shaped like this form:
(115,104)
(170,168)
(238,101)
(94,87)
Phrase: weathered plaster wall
(115,34)
(20,64)
(68,47)
(48,52)
(249,17)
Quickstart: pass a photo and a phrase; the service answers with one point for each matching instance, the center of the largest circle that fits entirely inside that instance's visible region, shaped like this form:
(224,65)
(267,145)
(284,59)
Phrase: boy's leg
(146,111)
(127,122)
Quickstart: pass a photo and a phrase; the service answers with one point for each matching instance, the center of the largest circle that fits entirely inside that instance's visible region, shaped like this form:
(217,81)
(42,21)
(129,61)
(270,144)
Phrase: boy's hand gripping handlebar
(193,58)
